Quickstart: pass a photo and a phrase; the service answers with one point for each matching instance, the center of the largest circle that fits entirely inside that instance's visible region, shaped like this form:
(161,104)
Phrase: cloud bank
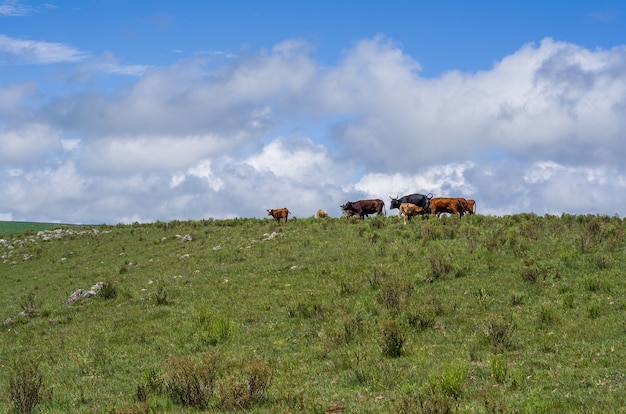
(542,131)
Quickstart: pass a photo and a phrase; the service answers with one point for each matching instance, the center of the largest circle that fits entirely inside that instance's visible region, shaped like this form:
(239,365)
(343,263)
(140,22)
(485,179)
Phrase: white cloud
(541,131)
(15,8)
(30,143)
(37,53)
(127,154)
(299,160)
(14,95)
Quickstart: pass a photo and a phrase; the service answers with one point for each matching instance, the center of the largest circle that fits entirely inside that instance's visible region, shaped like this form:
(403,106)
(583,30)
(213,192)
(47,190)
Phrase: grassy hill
(485,314)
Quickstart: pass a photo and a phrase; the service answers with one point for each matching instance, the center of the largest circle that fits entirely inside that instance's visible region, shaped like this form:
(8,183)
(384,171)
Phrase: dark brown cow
(279,213)
(446,205)
(409,210)
(364,207)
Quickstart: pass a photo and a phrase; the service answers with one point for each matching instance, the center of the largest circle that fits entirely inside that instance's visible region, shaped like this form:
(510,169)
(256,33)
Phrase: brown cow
(409,210)
(446,205)
(279,213)
(364,207)
(322,213)
(470,206)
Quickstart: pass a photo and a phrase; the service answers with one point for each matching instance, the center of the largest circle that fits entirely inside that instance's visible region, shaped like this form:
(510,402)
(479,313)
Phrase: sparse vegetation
(518,313)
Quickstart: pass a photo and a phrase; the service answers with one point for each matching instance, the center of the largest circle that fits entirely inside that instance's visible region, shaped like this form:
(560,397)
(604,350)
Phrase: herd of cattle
(408,206)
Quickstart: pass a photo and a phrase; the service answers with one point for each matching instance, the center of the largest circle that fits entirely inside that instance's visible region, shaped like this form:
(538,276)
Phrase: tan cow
(409,210)
(279,213)
(322,213)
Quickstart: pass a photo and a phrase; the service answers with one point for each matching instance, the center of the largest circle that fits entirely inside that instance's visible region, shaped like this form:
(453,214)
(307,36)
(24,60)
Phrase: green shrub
(441,266)
(161,297)
(392,338)
(108,291)
(25,386)
(500,333)
(452,379)
(394,294)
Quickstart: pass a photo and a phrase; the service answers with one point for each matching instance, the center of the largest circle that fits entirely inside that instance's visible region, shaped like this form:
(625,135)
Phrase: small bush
(517,299)
(352,328)
(108,291)
(188,383)
(161,296)
(420,319)
(500,334)
(534,274)
(441,266)
(259,379)
(392,338)
(29,306)
(394,294)
(242,394)
(25,386)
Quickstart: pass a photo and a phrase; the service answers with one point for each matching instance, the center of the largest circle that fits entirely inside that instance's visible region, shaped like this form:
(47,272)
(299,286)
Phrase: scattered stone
(272,236)
(82,294)
(187,238)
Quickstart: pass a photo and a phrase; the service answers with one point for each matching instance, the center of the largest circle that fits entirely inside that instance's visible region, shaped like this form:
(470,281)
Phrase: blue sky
(123,111)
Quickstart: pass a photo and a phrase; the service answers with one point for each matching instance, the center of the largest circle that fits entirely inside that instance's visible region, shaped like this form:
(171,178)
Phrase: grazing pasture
(519,313)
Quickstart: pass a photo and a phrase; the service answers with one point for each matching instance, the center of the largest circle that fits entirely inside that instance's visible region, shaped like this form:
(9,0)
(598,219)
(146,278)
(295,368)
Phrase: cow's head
(270,212)
(395,202)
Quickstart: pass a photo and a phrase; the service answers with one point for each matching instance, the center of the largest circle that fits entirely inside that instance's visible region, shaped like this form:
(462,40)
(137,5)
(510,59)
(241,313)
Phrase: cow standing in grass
(419,200)
(446,205)
(322,213)
(364,207)
(279,213)
(409,210)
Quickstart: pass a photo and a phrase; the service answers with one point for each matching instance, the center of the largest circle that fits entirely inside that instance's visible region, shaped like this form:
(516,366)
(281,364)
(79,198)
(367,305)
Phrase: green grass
(485,314)
(18,227)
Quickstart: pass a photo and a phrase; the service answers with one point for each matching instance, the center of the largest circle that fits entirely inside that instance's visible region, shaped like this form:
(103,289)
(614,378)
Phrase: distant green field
(13,227)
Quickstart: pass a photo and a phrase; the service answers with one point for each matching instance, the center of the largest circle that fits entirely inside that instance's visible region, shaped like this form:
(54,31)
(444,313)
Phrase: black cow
(364,207)
(419,200)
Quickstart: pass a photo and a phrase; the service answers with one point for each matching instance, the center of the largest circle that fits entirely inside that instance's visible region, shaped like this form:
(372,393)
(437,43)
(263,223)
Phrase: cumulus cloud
(541,131)
(28,144)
